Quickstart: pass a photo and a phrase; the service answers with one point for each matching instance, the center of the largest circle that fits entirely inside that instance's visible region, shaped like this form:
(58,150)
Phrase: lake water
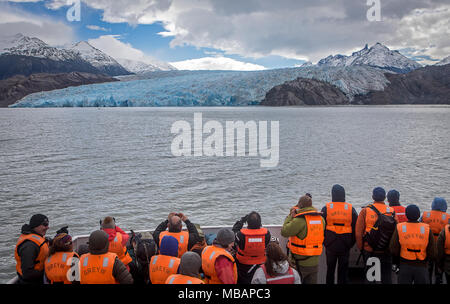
(78,165)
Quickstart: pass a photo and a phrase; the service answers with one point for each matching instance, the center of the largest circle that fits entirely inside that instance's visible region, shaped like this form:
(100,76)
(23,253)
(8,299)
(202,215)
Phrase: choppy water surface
(79,165)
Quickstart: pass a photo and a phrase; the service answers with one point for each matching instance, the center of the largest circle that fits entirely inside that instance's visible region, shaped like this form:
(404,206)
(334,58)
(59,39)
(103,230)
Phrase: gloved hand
(244,219)
(63,230)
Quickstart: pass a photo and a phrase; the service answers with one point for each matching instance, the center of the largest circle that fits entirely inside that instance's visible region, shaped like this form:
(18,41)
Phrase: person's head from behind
(108,223)
(62,243)
(39,223)
(275,256)
(190,264)
(393,197)
(412,213)
(304,202)
(337,193)
(98,242)
(254,220)
(175,224)
(145,249)
(169,246)
(378,194)
(439,204)
(225,238)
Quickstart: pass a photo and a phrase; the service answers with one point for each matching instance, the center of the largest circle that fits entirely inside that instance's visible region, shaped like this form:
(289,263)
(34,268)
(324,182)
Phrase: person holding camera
(251,243)
(174,226)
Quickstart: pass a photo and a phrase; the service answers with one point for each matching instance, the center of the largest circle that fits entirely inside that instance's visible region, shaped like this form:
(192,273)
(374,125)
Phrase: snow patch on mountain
(139,67)
(98,59)
(444,61)
(378,56)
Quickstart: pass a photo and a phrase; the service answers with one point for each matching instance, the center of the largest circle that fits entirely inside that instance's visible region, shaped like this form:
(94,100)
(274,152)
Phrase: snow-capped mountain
(378,56)
(444,61)
(139,67)
(34,47)
(98,59)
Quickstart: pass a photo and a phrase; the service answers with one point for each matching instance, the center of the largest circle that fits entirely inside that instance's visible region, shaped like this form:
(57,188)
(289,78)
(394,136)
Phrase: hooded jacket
(190,264)
(339,243)
(100,245)
(112,234)
(280,269)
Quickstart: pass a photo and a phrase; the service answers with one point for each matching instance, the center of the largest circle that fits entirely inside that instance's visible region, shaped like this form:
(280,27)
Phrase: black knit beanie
(37,220)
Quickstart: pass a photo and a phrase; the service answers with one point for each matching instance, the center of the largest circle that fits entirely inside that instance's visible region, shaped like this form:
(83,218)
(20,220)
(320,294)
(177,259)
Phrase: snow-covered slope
(444,61)
(205,88)
(100,60)
(139,67)
(34,47)
(378,56)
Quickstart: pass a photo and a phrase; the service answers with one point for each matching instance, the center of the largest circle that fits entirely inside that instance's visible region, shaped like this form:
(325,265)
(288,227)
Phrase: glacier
(204,88)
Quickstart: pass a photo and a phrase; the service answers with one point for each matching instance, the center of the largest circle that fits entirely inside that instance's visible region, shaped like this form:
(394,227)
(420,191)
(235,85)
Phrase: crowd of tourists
(409,244)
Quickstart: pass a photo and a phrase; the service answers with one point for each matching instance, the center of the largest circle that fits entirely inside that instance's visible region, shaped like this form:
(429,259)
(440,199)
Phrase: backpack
(380,235)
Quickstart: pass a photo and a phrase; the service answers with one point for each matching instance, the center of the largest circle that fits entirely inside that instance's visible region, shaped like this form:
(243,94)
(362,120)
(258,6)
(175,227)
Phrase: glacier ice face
(204,88)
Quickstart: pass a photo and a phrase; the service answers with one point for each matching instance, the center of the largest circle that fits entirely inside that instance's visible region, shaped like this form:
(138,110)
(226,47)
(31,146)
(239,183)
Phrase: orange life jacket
(312,244)
(58,265)
(115,246)
(371,216)
(255,247)
(400,214)
(97,268)
(209,256)
(447,239)
(161,267)
(413,238)
(436,219)
(183,279)
(182,238)
(339,217)
(288,278)
(43,251)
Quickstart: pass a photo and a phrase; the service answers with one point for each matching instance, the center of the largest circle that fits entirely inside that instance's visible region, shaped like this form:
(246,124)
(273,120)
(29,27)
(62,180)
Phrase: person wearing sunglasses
(31,250)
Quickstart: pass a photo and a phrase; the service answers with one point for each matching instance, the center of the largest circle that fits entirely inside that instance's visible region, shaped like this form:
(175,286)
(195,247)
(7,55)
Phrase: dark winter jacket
(240,239)
(443,260)
(194,237)
(394,248)
(28,252)
(339,243)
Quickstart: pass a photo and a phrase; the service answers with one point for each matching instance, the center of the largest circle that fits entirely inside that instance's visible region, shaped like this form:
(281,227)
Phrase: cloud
(300,29)
(14,20)
(216,63)
(97,28)
(111,45)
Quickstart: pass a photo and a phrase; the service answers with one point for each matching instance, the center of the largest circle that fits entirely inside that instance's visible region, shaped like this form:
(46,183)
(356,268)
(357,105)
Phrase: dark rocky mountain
(17,87)
(11,65)
(304,91)
(428,85)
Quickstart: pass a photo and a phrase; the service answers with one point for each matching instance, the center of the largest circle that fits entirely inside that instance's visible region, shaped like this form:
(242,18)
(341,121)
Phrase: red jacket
(112,234)
(224,270)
